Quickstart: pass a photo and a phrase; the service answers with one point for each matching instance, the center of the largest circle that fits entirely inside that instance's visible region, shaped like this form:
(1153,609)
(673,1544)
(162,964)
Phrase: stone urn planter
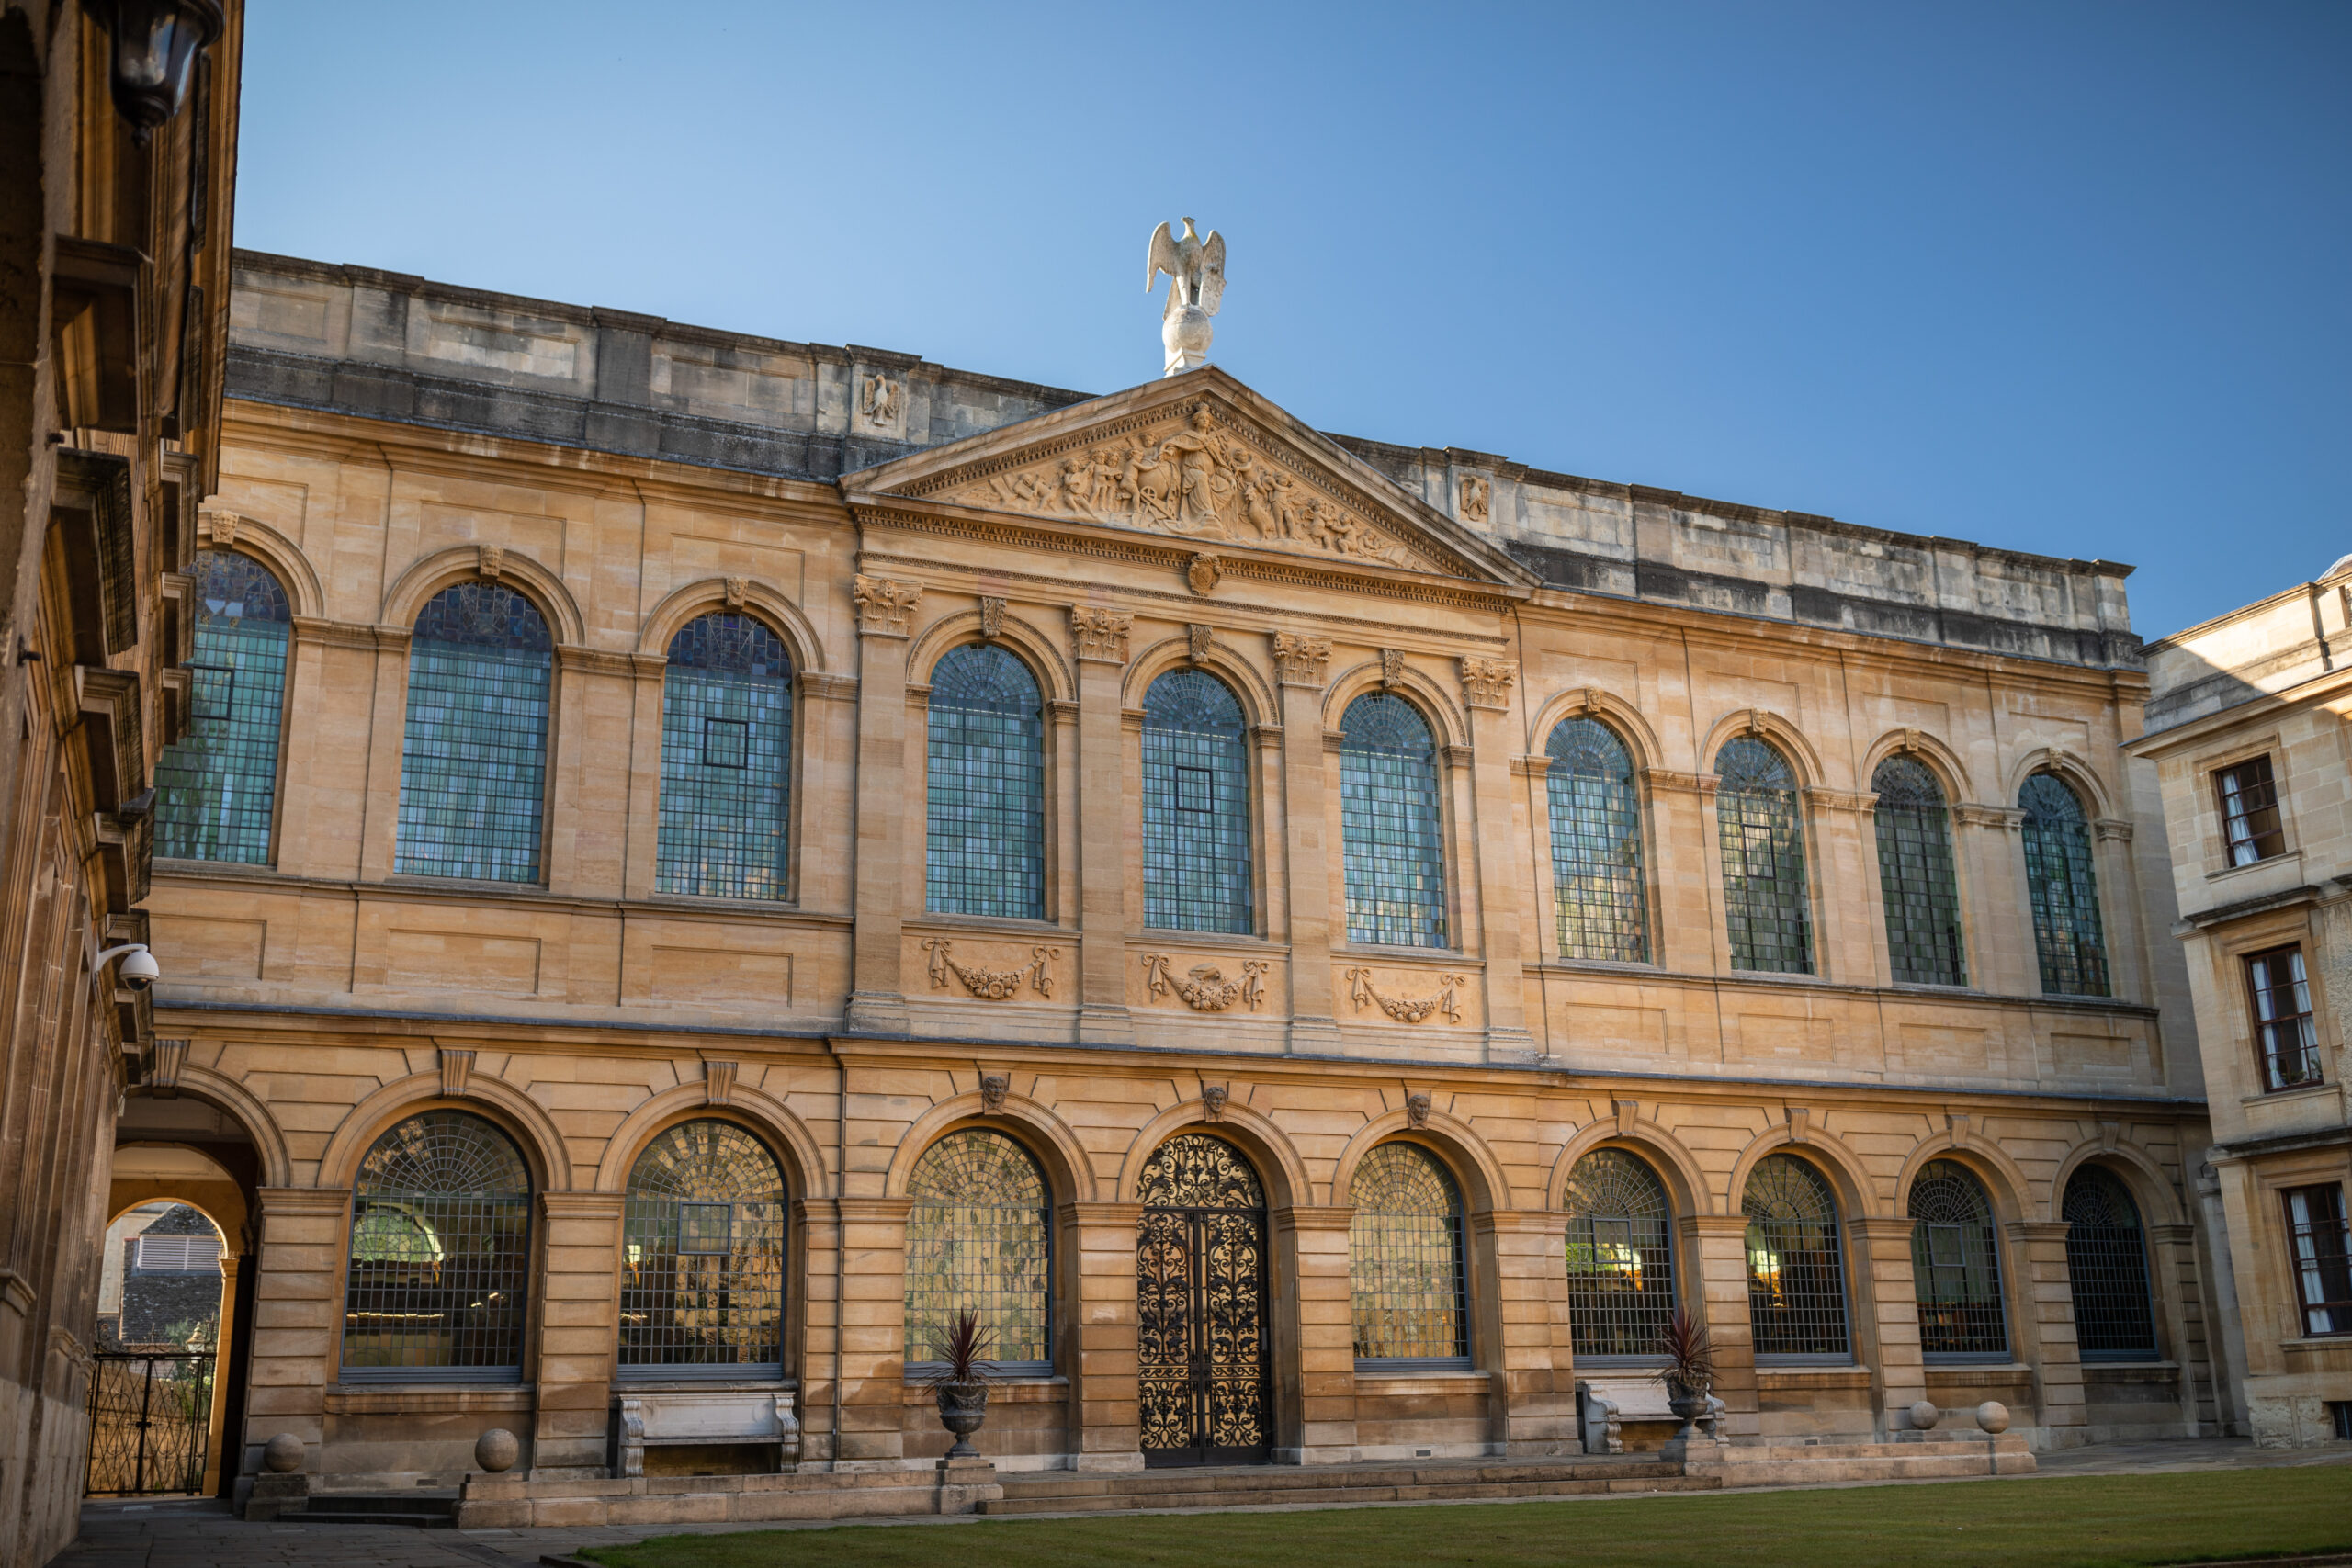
(1689,1372)
(961,1408)
(961,1383)
(1689,1402)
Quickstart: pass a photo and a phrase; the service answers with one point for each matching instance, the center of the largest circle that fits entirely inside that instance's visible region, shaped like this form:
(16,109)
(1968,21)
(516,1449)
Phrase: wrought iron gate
(150,1421)
(1205,1393)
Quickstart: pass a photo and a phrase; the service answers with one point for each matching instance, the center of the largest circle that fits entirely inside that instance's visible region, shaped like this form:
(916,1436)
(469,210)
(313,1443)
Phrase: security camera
(138,968)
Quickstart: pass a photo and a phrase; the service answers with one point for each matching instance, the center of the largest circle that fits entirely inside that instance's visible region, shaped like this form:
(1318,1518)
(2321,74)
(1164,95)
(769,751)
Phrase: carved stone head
(1213,1098)
(1417,1108)
(994,1086)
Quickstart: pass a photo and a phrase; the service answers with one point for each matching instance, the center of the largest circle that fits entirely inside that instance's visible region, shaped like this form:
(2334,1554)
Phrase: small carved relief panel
(1486,682)
(1470,498)
(882,604)
(881,403)
(988,981)
(1300,660)
(1407,997)
(1101,634)
(1204,987)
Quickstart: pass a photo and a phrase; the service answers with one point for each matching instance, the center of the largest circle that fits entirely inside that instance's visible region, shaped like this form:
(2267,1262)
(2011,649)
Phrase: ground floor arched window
(1621,1257)
(1404,1272)
(702,1266)
(1956,1266)
(2106,1269)
(1796,1264)
(980,1239)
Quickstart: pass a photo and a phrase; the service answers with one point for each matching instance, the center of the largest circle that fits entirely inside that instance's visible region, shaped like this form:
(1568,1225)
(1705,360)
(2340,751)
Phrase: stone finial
(718,1082)
(1101,634)
(1470,498)
(1300,661)
(282,1454)
(1487,682)
(1925,1413)
(882,604)
(493,560)
(1202,572)
(1392,669)
(1213,1098)
(736,588)
(1195,269)
(1417,1108)
(496,1450)
(457,1067)
(994,1086)
(1993,1416)
(1197,638)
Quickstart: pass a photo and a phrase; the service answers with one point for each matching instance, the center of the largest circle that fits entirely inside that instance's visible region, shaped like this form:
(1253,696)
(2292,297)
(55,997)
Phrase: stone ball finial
(496,1450)
(283,1453)
(1925,1413)
(1994,1417)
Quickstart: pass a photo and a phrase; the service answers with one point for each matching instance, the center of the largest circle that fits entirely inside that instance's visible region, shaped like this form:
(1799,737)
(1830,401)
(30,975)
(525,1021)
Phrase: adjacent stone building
(2247,726)
(714,855)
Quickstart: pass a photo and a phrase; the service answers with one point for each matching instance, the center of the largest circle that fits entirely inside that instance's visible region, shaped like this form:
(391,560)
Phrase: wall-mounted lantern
(156,46)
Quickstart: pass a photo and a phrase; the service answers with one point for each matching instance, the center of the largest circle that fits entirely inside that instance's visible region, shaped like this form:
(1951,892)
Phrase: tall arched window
(1404,1258)
(1621,1257)
(473,759)
(1796,1268)
(216,787)
(2106,1269)
(1915,875)
(726,759)
(1765,899)
(2067,935)
(1956,1266)
(985,852)
(979,1237)
(1195,806)
(1596,844)
(1390,824)
(702,1257)
(440,1254)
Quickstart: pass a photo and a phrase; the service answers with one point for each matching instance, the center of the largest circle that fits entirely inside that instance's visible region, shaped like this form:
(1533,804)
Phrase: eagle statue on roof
(1196,271)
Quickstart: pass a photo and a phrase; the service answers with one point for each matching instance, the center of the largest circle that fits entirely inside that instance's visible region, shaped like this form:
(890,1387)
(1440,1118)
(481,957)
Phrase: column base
(965,1484)
(875,1013)
(1314,1036)
(1512,1045)
(1104,1024)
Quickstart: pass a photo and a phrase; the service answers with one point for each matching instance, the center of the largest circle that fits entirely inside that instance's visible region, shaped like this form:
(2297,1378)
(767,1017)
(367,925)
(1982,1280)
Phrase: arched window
(2106,1269)
(1596,844)
(216,788)
(1765,899)
(440,1254)
(726,759)
(2062,889)
(980,1236)
(986,854)
(1389,825)
(702,1257)
(1956,1266)
(1796,1269)
(1195,806)
(474,757)
(1915,875)
(1404,1258)
(1621,1257)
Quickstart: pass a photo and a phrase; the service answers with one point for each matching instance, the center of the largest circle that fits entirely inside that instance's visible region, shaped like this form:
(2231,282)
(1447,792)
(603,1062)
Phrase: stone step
(422,1510)
(1291,1485)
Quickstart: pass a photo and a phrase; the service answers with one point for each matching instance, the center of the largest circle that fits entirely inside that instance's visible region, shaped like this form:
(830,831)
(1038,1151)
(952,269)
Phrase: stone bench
(1604,1405)
(683,1419)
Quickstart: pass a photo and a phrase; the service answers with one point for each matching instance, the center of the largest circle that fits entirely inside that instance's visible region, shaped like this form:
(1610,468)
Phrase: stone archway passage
(1202,1378)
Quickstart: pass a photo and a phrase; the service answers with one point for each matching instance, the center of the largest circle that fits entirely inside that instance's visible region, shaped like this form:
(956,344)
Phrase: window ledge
(1452,957)
(1167,936)
(624,1385)
(393,1398)
(1960,1366)
(2275,1095)
(1769,1376)
(933,920)
(2286,857)
(2319,1342)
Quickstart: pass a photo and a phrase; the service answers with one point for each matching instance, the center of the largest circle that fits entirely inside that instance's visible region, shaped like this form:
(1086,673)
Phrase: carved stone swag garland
(1206,989)
(1407,1010)
(991,984)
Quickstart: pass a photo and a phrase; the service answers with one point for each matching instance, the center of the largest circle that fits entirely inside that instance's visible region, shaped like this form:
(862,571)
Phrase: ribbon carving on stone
(1205,988)
(991,984)
(1407,1010)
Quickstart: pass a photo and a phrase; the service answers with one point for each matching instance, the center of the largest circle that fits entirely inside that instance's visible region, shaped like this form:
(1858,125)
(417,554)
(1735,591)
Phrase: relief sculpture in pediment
(1189,477)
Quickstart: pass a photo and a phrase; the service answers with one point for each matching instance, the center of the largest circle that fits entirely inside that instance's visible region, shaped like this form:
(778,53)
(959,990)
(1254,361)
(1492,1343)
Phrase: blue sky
(2059,277)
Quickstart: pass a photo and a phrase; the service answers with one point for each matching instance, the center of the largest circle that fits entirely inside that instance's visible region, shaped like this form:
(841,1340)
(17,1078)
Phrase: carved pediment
(1188,460)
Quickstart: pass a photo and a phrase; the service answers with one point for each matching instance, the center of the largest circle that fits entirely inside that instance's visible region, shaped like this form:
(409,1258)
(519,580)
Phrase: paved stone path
(203,1535)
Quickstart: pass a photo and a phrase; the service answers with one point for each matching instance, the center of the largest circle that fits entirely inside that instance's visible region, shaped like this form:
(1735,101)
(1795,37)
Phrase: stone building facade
(1320,944)
(2247,726)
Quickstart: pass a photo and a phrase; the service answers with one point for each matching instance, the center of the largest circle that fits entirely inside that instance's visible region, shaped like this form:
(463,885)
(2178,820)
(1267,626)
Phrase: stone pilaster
(646,672)
(387,727)
(298,1316)
(877,1001)
(1687,842)
(579,1334)
(1535,1383)
(1987,844)
(1100,1359)
(1886,1318)
(2043,1335)
(1715,1250)
(1494,859)
(820,1244)
(1841,874)
(1299,666)
(1311,1247)
(2176,1278)
(872,1332)
(1099,637)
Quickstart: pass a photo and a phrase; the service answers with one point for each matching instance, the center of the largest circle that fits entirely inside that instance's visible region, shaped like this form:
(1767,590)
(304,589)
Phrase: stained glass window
(216,787)
(702,1257)
(1765,899)
(1404,1257)
(726,759)
(473,759)
(2106,1269)
(1195,806)
(2062,889)
(1621,1255)
(1915,875)
(1596,844)
(985,852)
(979,1237)
(1956,1264)
(440,1254)
(1796,1269)
(1390,824)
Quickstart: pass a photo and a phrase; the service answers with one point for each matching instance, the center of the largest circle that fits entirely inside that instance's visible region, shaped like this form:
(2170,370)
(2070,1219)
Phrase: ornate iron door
(1202,1380)
(151,1421)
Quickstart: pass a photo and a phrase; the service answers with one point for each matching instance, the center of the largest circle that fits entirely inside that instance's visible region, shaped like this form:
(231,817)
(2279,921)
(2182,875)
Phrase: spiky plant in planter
(961,1380)
(1689,1370)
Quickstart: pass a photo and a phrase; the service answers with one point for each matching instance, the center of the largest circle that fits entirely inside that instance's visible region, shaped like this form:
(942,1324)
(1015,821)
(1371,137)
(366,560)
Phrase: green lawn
(2076,1522)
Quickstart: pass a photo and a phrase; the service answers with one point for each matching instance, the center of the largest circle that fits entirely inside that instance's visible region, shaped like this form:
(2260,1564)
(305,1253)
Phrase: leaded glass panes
(1404,1257)
(2286,1036)
(986,849)
(1389,822)
(702,1257)
(2106,1269)
(2319,1241)
(1956,1264)
(1195,806)
(1765,899)
(1596,844)
(2062,889)
(216,787)
(1621,1255)
(1796,1269)
(726,759)
(440,1254)
(473,758)
(979,1238)
(1915,875)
